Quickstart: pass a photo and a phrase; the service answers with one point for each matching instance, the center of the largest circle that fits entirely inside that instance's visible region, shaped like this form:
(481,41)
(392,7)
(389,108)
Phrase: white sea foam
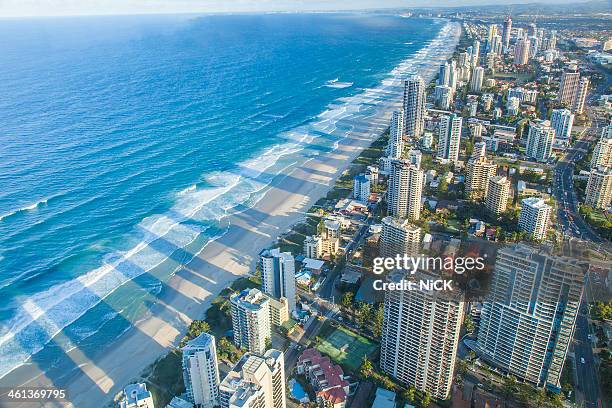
(336,83)
(30,207)
(43,315)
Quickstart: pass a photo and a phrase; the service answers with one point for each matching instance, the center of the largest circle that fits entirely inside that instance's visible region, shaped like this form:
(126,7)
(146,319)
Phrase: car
(582,360)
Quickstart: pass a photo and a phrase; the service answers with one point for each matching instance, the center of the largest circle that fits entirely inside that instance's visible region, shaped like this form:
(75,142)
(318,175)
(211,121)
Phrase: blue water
(117,130)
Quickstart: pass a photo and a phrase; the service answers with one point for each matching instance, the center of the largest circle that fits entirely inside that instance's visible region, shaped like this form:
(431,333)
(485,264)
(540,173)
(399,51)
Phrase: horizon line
(127,13)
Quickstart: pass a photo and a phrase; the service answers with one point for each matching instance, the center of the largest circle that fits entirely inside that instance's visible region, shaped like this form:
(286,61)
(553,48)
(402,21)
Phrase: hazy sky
(10,8)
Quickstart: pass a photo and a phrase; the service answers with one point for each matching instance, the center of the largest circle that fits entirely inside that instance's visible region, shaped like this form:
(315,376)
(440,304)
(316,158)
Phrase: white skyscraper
(449,137)
(420,335)
(399,237)
(361,187)
(200,371)
(405,190)
(506,33)
(251,320)
(444,74)
(396,135)
(534,217)
(414,106)
(540,141)
(475,53)
(498,191)
(477,79)
(479,171)
(443,96)
(528,318)
(562,120)
(278,275)
(602,154)
(256,381)
(599,188)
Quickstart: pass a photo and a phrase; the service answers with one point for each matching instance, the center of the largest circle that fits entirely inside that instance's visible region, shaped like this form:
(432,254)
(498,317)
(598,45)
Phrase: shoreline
(189,293)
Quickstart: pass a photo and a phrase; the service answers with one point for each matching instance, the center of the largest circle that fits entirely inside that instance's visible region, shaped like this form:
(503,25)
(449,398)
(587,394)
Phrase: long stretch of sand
(188,294)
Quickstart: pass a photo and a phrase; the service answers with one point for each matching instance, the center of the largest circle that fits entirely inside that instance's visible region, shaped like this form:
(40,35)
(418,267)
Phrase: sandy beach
(188,294)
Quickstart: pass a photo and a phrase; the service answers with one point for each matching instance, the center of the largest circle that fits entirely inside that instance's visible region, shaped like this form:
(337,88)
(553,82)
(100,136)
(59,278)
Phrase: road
(587,392)
(325,309)
(570,220)
(573,225)
(327,290)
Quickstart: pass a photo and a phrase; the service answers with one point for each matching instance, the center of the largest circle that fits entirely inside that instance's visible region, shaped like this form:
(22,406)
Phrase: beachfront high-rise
(540,141)
(568,88)
(534,217)
(278,275)
(396,135)
(136,396)
(200,371)
(449,137)
(414,106)
(528,318)
(251,322)
(479,171)
(256,381)
(313,247)
(361,187)
(444,74)
(496,199)
(420,335)
(602,153)
(399,236)
(405,190)
(562,121)
(599,188)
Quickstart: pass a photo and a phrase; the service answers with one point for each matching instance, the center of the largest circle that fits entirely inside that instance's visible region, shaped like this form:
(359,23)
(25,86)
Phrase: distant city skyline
(24,8)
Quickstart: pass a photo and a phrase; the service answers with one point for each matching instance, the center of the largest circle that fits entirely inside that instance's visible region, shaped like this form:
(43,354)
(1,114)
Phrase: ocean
(118,131)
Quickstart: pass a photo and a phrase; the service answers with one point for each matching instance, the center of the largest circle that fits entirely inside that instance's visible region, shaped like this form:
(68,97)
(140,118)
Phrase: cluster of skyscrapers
(598,192)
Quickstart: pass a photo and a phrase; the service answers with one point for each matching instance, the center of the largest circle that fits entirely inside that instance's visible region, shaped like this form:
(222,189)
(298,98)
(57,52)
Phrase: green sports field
(344,347)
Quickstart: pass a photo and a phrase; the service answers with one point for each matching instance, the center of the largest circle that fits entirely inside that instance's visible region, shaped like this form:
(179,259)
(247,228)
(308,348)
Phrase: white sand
(233,255)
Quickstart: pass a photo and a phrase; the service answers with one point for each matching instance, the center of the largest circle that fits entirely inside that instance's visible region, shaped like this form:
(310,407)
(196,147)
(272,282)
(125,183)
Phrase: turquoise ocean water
(115,131)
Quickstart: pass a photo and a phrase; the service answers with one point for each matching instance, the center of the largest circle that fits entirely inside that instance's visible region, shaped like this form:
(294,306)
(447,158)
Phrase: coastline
(188,294)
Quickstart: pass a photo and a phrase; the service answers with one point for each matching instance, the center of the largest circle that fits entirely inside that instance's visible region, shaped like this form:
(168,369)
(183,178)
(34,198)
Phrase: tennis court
(345,347)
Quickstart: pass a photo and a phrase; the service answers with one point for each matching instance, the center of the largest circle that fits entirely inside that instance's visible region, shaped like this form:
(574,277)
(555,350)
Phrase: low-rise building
(136,396)
(327,379)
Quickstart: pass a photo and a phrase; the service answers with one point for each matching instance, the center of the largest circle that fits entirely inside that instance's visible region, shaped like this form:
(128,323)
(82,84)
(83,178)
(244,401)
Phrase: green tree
(347,299)
(197,327)
(364,313)
(410,394)
(377,321)
(426,401)
(268,343)
(366,368)
(469,324)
